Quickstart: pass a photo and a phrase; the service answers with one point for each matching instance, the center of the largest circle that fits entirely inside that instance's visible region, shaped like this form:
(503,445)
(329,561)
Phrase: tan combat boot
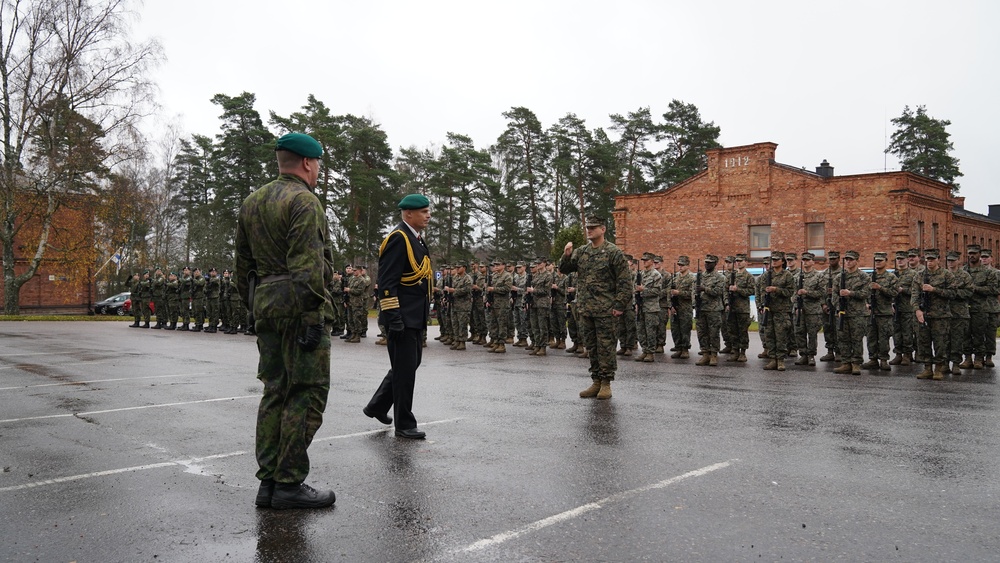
(583,353)
(659,350)
(872,363)
(381,341)
(802,361)
(560,345)
(704,360)
(967,363)
(855,369)
(988,361)
(648,358)
(884,365)
(640,357)
(572,349)
(764,354)
(591,391)
(927,373)
(771,365)
(938,372)
(843,368)
(713,359)
(685,354)
(906,360)
(781,364)
(460,345)
(605,392)
(521,343)
(955,370)
(540,351)
(742,357)
(828,357)
(509,340)
(896,360)
(501,348)
(977,362)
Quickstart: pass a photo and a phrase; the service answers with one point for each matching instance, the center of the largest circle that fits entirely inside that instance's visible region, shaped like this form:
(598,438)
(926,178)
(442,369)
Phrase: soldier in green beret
(281,242)
(135,287)
(159,297)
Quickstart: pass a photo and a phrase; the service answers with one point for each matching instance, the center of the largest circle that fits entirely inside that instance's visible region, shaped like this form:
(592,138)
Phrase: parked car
(128,307)
(114,305)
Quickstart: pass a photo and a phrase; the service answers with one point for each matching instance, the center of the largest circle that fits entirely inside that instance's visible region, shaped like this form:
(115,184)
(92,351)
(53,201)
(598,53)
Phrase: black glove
(393,324)
(310,340)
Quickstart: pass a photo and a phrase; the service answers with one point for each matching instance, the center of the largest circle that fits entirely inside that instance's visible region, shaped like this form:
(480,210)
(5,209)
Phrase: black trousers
(396,389)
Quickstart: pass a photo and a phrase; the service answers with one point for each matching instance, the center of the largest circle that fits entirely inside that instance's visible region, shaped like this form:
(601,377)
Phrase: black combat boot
(196,328)
(184,326)
(146,325)
(135,324)
(172,325)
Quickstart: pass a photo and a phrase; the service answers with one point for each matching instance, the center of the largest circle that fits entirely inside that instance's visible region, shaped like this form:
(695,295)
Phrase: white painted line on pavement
(79,414)
(106,380)
(573,513)
(190,465)
(88,363)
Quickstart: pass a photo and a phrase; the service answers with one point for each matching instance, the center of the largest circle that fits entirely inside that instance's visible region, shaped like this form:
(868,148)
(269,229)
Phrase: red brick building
(746,201)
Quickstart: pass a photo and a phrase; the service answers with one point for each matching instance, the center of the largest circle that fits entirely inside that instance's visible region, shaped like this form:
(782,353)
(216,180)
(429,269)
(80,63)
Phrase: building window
(815,238)
(920,235)
(760,241)
(956,242)
(934,235)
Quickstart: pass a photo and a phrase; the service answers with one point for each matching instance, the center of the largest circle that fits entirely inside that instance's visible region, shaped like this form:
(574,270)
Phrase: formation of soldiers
(191,301)
(941,312)
(357,291)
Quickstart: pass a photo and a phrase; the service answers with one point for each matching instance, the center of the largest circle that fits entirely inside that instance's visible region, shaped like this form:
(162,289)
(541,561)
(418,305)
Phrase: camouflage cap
(913,252)
(711,258)
(777,255)
(300,144)
(443,266)
(595,221)
(881,256)
(658,259)
(683,260)
(933,253)
(629,257)
(742,257)
(953,255)
(766,260)
(519,264)
(790,256)
(648,256)
(462,264)
(833,254)
(852,255)
(973,248)
(730,259)
(900,255)
(360,267)
(808,256)
(986,252)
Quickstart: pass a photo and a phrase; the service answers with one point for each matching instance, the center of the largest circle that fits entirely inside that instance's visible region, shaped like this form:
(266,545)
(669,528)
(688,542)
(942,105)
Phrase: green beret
(300,144)
(414,201)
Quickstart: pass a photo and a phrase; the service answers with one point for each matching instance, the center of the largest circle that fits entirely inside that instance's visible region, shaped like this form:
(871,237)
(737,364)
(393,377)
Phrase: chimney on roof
(958,202)
(995,212)
(824,169)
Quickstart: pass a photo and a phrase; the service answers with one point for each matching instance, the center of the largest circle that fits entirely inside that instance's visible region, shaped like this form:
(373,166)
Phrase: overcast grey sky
(820,79)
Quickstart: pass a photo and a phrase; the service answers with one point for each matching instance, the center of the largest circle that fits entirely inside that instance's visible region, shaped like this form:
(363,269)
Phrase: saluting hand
(569,249)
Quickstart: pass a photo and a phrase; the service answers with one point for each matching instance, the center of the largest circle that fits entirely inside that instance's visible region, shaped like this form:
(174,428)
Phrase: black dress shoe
(300,496)
(264,493)
(383,418)
(411,433)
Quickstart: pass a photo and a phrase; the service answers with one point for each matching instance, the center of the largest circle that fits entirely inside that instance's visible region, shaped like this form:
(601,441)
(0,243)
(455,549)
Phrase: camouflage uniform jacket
(478,280)
(146,290)
(665,278)
(739,300)
(859,284)
(815,285)
(985,289)
(684,283)
(779,301)
(213,287)
(603,282)
(542,294)
(904,281)
(993,305)
(832,275)
(358,287)
(963,292)
(713,289)
(462,296)
(651,291)
(185,287)
(173,288)
(942,281)
(559,292)
(198,287)
(884,296)
(282,230)
(501,288)
(520,281)
(159,288)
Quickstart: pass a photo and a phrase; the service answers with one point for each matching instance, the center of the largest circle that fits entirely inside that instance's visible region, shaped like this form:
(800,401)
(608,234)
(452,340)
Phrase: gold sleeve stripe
(389,303)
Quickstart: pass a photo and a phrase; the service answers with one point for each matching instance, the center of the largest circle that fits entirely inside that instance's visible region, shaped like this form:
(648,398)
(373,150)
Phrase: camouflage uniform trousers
(958,329)
(521,322)
(478,319)
(198,310)
(572,325)
(557,322)
(225,311)
(160,309)
(851,338)
(599,336)
(296,386)
(905,333)
(680,329)
(213,312)
(792,336)
(173,309)
(709,326)
(539,319)
(184,310)
(807,335)
(499,315)
(979,326)
(933,338)
(461,325)
(739,329)
(661,332)
(647,324)
(359,320)
(830,332)
(776,333)
(727,331)
(991,340)
(143,310)
(628,336)
(878,337)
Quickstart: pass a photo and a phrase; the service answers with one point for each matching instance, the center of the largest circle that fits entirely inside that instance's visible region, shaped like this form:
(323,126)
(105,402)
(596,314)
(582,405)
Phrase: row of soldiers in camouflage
(794,302)
(186,299)
(351,314)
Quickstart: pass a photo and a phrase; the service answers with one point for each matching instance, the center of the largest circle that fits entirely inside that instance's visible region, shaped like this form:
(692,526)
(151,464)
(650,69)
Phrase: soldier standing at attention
(498,297)
(778,287)
(880,327)
(648,310)
(712,289)
(213,291)
(903,328)
(477,321)
(571,325)
(282,240)
(540,291)
(664,298)
(134,287)
(185,296)
(930,298)
(791,264)
(982,332)
(557,315)
(520,283)
(813,294)
(759,283)
(729,266)
(681,308)
(357,289)
(855,290)
(993,305)
(461,302)
(145,297)
(604,288)
(958,332)
(404,288)
(830,308)
(160,298)
(628,336)
(739,305)
(198,284)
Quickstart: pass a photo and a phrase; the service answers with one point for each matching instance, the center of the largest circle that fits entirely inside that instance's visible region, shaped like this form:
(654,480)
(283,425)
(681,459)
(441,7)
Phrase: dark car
(114,305)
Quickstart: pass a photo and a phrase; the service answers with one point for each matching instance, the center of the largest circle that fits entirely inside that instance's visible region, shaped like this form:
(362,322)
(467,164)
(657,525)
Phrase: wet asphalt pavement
(121,444)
